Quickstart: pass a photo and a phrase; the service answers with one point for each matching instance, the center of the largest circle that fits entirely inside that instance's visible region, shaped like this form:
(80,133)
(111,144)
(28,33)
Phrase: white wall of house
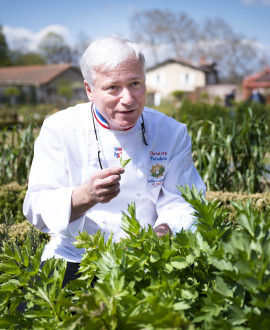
(174,76)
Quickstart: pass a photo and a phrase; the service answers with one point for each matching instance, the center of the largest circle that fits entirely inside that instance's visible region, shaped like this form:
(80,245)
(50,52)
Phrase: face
(119,94)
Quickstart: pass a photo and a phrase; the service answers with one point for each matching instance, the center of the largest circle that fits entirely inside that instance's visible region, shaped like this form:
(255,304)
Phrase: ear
(88,91)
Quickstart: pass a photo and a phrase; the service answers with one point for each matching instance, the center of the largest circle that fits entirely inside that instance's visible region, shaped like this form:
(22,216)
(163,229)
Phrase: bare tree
(80,46)
(168,34)
(164,32)
(233,52)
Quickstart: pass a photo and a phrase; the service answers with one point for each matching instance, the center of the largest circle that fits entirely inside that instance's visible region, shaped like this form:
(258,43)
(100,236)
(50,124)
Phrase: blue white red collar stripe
(102,121)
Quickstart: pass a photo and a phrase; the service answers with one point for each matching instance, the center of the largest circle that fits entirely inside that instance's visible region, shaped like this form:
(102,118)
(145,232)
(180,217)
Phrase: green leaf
(124,162)
(181,305)
(154,257)
(179,262)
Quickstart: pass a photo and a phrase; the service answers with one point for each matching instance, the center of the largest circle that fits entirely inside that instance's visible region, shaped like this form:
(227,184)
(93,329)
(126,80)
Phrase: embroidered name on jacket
(158,163)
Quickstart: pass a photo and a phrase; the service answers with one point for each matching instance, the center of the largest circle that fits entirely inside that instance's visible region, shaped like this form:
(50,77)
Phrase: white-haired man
(76,182)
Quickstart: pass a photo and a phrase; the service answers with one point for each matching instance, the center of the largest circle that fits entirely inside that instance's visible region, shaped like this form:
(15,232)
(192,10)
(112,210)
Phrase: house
(259,81)
(178,75)
(40,83)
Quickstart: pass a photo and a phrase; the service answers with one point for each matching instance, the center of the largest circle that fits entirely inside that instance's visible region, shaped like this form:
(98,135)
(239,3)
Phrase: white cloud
(256,2)
(24,39)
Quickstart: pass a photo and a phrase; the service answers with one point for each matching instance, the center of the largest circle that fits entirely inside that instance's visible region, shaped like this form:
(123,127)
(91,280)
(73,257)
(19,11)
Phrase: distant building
(40,83)
(178,75)
(259,81)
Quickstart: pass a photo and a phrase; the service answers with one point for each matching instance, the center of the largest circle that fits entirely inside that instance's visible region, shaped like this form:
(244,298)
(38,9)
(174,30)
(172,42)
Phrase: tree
(65,90)
(54,49)
(31,58)
(233,52)
(175,35)
(80,46)
(4,51)
(12,93)
(164,32)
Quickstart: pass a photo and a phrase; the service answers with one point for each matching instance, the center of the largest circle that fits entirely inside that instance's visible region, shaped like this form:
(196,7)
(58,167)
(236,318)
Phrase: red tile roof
(259,79)
(31,74)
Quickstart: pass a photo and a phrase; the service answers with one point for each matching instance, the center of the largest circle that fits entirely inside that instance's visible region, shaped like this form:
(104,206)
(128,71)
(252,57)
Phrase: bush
(11,200)
(215,278)
(259,201)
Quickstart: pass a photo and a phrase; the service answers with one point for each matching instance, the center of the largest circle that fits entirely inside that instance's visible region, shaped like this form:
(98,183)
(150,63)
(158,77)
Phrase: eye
(112,88)
(136,84)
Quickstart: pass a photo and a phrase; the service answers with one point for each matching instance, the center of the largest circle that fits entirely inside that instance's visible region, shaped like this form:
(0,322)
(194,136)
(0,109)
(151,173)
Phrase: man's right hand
(102,187)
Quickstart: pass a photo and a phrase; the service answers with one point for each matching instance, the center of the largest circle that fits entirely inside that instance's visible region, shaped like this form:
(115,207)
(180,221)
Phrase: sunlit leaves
(215,278)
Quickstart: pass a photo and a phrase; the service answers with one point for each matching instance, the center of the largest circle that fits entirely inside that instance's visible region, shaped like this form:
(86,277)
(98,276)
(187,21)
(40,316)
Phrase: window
(187,78)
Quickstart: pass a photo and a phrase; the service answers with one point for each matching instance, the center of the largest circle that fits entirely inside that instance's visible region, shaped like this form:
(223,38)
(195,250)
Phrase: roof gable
(258,79)
(32,74)
(204,68)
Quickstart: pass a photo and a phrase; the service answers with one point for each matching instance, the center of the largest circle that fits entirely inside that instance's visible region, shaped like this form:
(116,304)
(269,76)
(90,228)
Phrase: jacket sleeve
(47,203)
(172,209)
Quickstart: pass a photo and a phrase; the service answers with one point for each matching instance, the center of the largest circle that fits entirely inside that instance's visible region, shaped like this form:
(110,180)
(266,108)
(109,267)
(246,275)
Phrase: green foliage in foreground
(215,278)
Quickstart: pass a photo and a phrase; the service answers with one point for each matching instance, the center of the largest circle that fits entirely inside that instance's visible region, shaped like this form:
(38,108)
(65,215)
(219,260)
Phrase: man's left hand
(162,230)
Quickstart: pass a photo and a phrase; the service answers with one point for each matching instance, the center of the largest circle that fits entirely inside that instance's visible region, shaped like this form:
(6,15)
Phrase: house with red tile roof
(259,81)
(40,83)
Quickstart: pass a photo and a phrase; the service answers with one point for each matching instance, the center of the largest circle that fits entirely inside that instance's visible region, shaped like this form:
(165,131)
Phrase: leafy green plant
(215,278)
(16,154)
(232,161)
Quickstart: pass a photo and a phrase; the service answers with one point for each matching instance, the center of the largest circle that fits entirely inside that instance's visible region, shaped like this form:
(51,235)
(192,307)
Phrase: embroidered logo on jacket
(157,170)
(158,162)
(117,152)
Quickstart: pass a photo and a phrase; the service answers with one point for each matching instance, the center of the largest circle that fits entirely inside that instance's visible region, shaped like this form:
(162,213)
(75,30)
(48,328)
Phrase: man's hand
(102,187)
(162,230)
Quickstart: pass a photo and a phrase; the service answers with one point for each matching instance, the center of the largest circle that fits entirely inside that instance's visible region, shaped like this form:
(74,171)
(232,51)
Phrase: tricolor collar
(102,121)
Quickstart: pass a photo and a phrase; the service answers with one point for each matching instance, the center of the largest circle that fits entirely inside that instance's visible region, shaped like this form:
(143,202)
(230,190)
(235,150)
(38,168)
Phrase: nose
(126,97)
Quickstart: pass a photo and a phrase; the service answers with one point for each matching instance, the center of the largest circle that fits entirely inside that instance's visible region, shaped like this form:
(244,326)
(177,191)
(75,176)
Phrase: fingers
(107,172)
(105,184)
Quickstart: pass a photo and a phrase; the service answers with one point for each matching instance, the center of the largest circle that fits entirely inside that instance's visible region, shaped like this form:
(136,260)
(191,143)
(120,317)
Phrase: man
(76,182)
(257,97)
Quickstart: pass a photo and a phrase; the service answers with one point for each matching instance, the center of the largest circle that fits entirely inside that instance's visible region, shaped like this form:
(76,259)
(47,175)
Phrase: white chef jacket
(65,156)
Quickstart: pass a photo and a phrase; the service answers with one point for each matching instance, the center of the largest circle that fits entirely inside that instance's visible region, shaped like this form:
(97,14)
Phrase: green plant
(11,200)
(232,160)
(215,278)
(16,154)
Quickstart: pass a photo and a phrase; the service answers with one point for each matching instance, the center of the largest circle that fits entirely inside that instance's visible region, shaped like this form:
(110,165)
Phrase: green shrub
(11,232)
(215,278)
(259,201)
(11,200)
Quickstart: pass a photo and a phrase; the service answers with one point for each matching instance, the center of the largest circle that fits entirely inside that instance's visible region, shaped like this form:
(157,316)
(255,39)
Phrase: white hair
(108,52)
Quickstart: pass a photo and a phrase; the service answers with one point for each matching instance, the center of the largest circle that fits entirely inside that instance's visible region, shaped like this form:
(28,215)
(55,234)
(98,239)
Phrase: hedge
(11,201)
(12,196)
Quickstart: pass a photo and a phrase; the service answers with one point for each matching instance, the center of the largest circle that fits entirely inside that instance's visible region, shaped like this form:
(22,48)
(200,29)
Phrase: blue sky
(30,18)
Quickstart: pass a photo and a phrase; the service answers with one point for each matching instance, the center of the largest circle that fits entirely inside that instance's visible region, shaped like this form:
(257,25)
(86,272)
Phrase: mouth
(127,112)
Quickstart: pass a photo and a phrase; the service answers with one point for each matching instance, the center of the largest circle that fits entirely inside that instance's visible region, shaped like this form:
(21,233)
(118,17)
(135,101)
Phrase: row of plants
(16,153)
(215,278)
(228,155)
(14,226)
(24,114)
